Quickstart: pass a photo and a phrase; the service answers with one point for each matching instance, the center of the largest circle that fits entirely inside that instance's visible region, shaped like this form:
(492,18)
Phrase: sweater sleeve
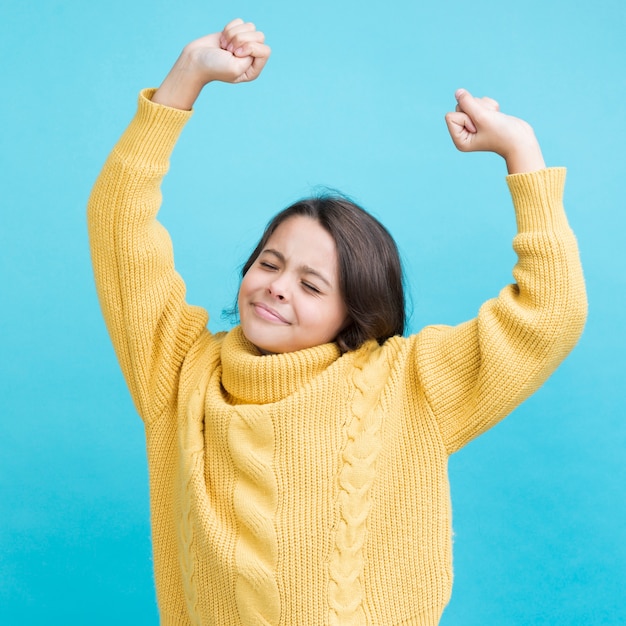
(476,373)
(141,295)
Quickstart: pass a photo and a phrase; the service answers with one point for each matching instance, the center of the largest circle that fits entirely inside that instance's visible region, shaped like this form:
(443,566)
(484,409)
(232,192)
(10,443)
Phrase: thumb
(469,105)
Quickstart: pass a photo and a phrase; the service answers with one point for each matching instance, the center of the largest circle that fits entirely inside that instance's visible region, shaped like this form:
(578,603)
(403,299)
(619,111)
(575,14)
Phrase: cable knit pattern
(186,537)
(355,481)
(251,442)
(311,488)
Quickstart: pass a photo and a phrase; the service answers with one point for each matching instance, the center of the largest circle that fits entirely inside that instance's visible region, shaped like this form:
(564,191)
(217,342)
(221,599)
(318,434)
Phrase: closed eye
(267,266)
(311,288)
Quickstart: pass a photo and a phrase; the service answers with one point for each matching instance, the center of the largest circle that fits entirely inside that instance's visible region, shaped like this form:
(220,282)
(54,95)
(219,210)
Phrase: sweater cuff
(152,134)
(538,200)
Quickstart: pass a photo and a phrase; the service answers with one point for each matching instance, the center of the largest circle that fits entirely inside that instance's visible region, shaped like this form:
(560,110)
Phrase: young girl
(298,463)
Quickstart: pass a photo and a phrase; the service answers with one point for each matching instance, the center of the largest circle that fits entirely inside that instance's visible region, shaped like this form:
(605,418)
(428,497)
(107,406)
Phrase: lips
(268,313)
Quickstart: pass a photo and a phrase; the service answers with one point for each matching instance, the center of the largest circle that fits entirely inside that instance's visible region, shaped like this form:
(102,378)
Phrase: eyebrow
(306,269)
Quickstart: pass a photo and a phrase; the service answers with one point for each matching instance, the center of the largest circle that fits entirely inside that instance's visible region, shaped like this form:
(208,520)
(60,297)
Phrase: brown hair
(370,271)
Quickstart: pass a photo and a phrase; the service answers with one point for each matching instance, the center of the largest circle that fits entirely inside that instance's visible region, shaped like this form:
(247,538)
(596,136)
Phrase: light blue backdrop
(353,97)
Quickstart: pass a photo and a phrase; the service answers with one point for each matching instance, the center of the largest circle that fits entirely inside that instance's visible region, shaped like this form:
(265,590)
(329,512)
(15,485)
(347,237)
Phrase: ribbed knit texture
(311,487)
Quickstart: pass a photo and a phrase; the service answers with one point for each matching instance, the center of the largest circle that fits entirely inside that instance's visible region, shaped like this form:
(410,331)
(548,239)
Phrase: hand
(237,54)
(478,125)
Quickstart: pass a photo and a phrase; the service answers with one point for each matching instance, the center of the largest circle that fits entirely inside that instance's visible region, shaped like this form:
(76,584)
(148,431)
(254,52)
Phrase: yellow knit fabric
(311,487)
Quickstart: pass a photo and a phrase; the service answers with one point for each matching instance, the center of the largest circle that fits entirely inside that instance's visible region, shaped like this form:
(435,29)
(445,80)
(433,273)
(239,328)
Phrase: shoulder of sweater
(400,349)
(208,345)
(421,345)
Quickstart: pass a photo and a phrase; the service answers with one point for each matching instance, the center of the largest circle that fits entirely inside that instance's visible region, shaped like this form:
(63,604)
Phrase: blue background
(354,98)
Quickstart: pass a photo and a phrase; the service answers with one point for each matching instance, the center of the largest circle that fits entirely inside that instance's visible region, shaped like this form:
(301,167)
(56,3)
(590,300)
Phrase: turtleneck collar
(251,378)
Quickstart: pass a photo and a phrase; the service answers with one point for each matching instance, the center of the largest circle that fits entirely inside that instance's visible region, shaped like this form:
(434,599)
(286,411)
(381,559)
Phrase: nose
(278,289)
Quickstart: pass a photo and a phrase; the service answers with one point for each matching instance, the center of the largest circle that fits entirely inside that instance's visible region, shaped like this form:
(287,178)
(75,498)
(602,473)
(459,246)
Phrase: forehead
(304,241)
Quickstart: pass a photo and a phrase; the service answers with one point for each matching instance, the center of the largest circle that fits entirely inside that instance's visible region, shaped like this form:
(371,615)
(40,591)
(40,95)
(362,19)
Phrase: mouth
(267,313)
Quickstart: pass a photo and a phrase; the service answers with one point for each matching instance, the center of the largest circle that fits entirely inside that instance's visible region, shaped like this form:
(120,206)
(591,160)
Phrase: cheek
(250,286)
(244,290)
(247,285)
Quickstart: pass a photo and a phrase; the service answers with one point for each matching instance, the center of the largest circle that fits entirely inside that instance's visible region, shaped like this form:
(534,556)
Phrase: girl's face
(289,299)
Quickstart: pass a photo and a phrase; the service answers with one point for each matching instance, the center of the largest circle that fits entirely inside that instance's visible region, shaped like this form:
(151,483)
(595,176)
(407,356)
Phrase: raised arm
(238,54)
(142,296)
(474,374)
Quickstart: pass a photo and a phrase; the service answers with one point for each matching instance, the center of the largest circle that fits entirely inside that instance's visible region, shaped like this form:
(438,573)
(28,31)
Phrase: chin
(261,342)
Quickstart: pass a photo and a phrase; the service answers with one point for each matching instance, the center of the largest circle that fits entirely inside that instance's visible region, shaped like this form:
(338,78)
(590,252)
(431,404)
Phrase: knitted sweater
(311,487)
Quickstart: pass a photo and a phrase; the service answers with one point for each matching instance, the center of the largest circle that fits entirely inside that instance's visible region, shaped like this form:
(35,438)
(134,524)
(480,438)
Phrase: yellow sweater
(311,487)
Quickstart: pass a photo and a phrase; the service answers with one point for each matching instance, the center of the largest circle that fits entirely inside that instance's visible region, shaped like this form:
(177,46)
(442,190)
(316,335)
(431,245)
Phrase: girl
(298,463)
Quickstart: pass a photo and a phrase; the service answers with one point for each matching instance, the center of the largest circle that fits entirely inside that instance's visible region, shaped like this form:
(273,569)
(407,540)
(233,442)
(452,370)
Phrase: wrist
(183,84)
(524,155)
